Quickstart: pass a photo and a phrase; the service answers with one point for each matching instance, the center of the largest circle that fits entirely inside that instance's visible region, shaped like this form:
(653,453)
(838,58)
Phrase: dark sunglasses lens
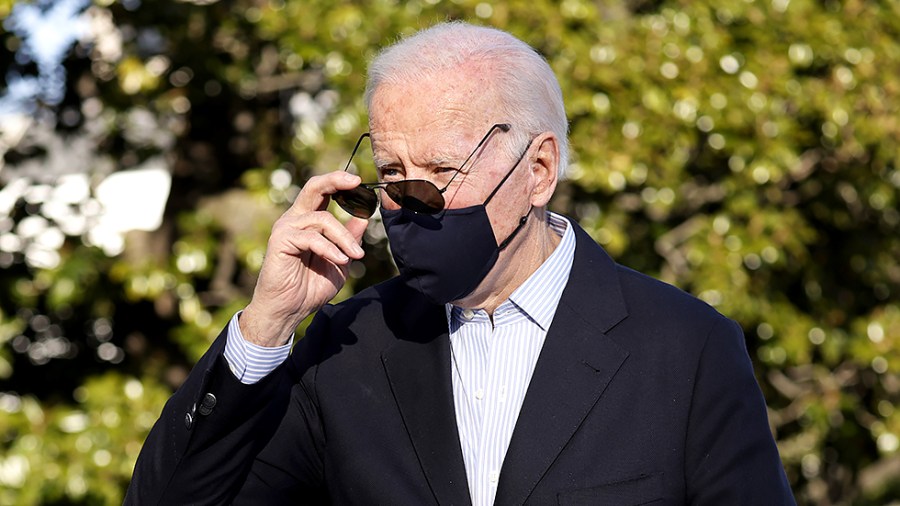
(360,201)
(417,196)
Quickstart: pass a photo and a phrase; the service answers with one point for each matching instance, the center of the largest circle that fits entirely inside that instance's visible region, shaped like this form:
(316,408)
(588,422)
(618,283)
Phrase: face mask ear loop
(497,188)
(523,219)
(509,239)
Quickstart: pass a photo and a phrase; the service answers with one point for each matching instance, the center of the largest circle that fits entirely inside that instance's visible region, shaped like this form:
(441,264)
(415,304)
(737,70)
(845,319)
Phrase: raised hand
(306,263)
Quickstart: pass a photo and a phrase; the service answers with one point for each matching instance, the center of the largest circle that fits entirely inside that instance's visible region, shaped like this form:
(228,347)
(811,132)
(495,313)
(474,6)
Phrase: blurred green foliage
(747,151)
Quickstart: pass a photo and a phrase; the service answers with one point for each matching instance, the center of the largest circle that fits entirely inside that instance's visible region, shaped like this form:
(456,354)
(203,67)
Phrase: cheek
(465,192)
(387,202)
(505,216)
(503,223)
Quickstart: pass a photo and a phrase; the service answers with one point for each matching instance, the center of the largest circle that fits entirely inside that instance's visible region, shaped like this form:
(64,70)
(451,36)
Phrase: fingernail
(357,250)
(349,177)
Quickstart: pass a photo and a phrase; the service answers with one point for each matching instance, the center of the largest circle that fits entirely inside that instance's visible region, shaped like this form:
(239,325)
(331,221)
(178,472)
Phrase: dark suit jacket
(641,394)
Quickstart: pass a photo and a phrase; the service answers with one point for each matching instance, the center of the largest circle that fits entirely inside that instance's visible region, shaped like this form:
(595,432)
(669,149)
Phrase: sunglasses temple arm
(501,126)
(355,148)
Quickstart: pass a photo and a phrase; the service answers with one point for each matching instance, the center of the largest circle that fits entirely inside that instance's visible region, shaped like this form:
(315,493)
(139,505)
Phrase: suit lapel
(418,369)
(575,366)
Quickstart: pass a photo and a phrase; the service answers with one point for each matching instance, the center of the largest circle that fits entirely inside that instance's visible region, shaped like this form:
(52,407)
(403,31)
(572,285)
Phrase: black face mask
(446,256)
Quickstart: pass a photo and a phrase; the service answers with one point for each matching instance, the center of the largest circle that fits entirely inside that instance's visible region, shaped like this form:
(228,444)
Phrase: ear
(544,168)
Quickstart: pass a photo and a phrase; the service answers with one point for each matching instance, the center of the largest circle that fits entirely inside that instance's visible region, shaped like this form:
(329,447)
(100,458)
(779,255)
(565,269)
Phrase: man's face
(426,129)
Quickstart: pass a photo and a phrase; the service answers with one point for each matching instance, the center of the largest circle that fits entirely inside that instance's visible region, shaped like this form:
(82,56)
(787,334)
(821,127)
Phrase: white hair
(525,85)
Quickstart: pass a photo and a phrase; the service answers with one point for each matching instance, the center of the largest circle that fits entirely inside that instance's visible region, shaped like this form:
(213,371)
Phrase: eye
(389,174)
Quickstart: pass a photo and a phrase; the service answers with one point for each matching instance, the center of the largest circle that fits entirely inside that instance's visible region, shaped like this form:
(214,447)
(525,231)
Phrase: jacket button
(188,421)
(207,404)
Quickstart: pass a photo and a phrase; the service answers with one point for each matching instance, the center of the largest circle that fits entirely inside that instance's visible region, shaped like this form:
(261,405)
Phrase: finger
(326,225)
(346,236)
(302,241)
(315,193)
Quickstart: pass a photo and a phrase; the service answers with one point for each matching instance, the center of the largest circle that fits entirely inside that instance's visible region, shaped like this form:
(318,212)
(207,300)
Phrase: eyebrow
(437,160)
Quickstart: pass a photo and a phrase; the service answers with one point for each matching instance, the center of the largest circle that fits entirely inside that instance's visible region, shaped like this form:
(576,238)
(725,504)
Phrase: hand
(306,263)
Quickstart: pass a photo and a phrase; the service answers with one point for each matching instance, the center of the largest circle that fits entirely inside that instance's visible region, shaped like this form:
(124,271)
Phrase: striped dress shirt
(492,362)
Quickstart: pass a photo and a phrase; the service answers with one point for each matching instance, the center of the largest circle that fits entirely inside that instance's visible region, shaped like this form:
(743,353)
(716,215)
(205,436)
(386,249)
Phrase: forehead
(457,105)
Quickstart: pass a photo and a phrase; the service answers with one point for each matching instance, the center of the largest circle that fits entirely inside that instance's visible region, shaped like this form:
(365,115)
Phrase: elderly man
(511,362)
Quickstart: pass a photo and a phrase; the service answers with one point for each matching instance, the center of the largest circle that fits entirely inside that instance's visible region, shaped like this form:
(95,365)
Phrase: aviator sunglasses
(417,195)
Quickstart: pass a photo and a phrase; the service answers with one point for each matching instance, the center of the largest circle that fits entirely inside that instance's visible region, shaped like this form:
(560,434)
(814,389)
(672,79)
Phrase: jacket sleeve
(731,455)
(290,469)
(204,442)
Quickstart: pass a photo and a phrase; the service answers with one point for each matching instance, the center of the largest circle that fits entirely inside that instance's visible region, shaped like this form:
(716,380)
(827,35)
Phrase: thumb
(357,227)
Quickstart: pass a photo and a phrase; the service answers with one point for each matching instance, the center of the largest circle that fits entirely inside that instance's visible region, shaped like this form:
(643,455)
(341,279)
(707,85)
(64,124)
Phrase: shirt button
(188,421)
(479,394)
(493,476)
(468,314)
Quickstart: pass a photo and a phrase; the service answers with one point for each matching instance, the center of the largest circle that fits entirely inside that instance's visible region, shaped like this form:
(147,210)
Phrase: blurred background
(747,151)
